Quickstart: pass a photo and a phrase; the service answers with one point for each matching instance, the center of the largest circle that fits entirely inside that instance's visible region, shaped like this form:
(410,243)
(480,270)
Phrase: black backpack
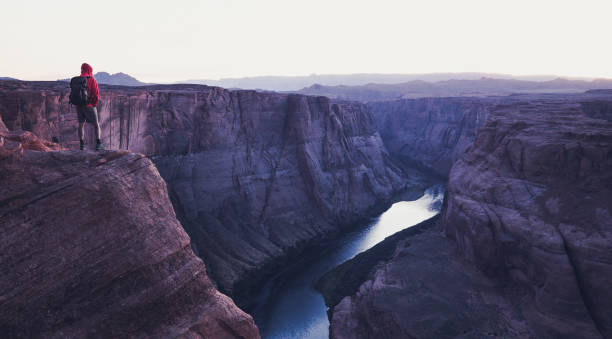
(79,91)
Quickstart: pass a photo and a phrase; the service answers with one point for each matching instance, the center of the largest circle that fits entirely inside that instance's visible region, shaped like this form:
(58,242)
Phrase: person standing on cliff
(84,94)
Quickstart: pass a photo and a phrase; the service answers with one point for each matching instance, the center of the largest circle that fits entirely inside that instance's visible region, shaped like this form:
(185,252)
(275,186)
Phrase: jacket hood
(86,70)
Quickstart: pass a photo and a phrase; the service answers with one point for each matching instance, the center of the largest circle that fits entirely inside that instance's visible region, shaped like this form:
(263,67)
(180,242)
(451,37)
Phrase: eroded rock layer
(431,133)
(91,247)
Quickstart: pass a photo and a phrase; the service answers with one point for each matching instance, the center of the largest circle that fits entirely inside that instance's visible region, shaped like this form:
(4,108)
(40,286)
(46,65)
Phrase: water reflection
(293,309)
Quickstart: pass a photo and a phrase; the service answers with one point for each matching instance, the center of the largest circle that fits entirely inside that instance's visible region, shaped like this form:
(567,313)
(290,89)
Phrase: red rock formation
(91,247)
(16,142)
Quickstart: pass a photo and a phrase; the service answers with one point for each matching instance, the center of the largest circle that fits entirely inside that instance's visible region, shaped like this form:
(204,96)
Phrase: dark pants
(87,114)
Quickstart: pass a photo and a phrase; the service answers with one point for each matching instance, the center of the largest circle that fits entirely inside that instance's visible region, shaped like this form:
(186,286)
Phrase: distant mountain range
(380,87)
(295,83)
(450,88)
(120,79)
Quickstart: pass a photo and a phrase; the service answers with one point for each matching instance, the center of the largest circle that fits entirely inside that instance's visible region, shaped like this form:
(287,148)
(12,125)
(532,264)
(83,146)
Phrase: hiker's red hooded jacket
(92,85)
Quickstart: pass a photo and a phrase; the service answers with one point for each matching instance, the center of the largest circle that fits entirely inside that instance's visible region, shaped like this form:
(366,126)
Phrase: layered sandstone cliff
(253,176)
(91,247)
(532,202)
(431,133)
(526,247)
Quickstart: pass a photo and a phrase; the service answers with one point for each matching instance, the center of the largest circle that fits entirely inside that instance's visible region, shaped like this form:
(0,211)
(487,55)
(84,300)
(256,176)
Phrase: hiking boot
(82,147)
(99,147)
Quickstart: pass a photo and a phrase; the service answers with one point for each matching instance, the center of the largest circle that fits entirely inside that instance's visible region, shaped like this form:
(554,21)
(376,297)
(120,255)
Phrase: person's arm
(94,92)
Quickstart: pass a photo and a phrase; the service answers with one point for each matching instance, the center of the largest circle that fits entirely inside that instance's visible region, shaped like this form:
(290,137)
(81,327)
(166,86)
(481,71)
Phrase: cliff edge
(91,247)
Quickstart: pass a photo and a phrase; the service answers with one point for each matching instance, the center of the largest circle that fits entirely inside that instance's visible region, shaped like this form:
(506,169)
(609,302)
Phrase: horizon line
(534,75)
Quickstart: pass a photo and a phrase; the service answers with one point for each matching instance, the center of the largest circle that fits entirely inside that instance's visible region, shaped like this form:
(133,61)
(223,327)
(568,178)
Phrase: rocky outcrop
(431,133)
(426,291)
(531,203)
(16,142)
(346,278)
(91,247)
(254,177)
(526,250)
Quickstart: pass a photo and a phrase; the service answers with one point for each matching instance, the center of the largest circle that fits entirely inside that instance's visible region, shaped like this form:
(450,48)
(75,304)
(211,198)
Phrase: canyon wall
(431,133)
(91,247)
(525,247)
(531,202)
(253,176)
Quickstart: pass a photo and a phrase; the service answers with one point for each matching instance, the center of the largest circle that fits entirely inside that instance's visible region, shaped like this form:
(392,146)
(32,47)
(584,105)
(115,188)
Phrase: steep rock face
(346,278)
(294,174)
(431,132)
(425,291)
(253,176)
(527,251)
(91,247)
(531,202)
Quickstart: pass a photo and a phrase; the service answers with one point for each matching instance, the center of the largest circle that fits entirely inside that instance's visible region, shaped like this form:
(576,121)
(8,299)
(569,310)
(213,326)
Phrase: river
(292,308)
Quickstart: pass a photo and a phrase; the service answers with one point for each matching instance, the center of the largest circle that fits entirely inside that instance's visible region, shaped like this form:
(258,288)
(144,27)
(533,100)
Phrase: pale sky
(164,41)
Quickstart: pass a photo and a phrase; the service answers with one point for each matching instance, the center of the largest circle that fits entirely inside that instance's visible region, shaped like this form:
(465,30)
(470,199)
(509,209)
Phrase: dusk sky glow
(165,41)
